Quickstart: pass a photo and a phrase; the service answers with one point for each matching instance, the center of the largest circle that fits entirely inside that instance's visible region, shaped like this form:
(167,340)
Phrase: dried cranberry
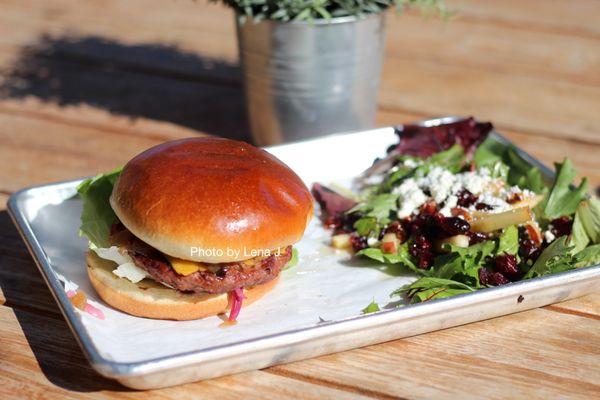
(513,198)
(416,226)
(528,249)
(423,243)
(498,279)
(454,226)
(419,245)
(484,276)
(561,226)
(507,265)
(358,242)
(397,228)
(466,198)
(428,208)
(477,237)
(425,259)
(483,206)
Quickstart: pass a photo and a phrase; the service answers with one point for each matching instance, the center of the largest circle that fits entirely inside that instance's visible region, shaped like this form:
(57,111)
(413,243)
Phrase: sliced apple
(341,241)
(390,243)
(457,240)
(489,222)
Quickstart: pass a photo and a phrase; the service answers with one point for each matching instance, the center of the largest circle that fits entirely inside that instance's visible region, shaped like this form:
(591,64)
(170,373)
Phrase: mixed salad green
(463,211)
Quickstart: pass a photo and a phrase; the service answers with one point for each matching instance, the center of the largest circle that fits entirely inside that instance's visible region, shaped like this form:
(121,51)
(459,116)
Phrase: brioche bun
(152,300)
(211,194)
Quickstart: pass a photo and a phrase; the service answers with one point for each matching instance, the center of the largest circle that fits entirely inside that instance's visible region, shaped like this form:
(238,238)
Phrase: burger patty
(220,278)
(215,278)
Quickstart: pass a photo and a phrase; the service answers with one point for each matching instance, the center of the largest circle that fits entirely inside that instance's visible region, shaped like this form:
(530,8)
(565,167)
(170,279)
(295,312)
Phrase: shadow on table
(155,81)
(52,343)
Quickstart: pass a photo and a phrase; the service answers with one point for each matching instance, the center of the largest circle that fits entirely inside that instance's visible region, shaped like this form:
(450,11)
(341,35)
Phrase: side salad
(463,211)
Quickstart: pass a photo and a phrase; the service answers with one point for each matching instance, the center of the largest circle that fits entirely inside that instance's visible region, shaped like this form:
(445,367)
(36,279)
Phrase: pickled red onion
(237,296)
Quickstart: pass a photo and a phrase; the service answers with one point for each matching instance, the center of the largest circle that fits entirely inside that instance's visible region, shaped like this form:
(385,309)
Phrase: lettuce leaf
(509,241)
(520,172)
(371,308)
(463,263)
(588,256)
(588,212)
(563,198)
(97,216)
(402,257)
(555,258)
(293,260)
(430,288)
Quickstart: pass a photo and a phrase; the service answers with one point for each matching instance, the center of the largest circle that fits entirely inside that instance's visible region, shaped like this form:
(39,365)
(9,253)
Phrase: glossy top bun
(211,200)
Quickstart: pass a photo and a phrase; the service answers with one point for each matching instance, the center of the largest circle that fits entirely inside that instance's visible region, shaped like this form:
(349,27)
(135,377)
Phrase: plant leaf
(562,198)
(97,216)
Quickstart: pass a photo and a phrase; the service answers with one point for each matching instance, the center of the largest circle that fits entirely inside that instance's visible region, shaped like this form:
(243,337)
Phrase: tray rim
(114,369)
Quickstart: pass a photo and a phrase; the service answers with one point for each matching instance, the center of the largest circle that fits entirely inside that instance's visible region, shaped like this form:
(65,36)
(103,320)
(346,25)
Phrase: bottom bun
(150,299)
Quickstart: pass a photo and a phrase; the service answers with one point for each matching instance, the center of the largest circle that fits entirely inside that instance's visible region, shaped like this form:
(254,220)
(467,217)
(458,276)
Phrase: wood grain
(40,359)
(84,88)
(471,361)
(427,63)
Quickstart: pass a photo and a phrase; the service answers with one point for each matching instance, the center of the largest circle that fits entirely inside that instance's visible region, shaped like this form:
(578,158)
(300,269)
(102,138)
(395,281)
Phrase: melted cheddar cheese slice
(184,267)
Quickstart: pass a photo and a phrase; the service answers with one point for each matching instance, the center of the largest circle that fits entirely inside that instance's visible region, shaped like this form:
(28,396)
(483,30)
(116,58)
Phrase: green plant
(307,10)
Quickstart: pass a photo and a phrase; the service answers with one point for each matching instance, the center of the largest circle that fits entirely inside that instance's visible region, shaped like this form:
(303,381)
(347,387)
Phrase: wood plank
(554,109)
(588,306)
(573,18)
(412,81)
(39,358)
(27,158)
(499,358)
(478,44)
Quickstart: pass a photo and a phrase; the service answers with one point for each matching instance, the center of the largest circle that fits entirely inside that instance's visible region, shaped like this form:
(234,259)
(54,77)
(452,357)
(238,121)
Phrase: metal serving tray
(314,310)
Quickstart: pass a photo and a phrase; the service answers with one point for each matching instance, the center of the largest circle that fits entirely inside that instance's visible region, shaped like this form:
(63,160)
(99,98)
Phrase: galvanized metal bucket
(305,79)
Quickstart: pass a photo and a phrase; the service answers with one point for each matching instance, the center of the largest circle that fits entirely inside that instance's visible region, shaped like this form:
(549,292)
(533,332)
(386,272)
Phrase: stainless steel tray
(323,321)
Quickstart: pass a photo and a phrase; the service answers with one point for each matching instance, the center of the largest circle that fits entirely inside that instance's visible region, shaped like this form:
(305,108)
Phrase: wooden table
(87,85)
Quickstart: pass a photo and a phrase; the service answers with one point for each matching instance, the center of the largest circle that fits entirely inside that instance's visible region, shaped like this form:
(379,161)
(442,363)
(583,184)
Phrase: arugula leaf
(366,225)
(430,288)
(402,257)
(562,199)
(579,238)
(97,216)
(452,159)
(379,207)
(293,261)
(371,308)
(589,215)
(586,257)
(489,152)
(523,174)
(509,241)
(586,225)
(553,259)
(463,262)
(518,171)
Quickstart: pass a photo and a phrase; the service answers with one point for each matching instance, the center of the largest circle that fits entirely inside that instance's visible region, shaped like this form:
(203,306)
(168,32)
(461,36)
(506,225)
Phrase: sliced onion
(237,296)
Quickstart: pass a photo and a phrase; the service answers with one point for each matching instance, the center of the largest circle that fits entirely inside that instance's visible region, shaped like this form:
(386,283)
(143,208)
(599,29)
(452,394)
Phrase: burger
(191,228)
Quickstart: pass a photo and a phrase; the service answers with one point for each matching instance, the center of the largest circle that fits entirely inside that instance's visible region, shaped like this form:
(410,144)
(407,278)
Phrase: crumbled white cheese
(498,204)
(410,163)
(444,186)
(126,267)
(549,236)
(439,182)
(411,197)
(449,204)
(474,182)
(372,242)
